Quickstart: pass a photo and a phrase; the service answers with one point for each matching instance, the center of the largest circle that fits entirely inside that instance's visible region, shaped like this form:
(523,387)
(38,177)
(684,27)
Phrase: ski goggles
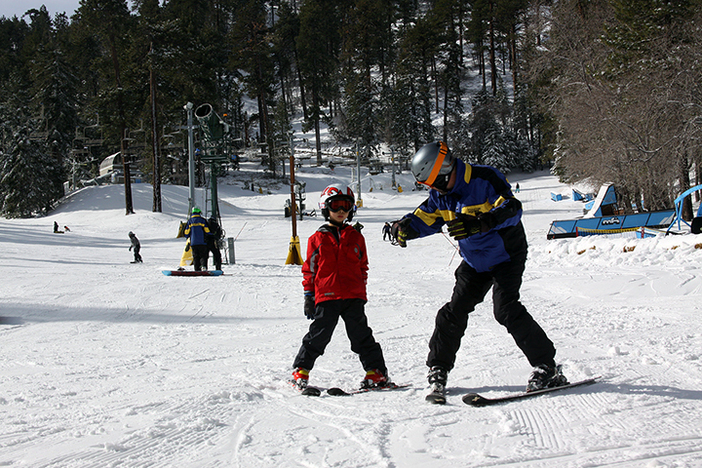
(338,205)
(440,183)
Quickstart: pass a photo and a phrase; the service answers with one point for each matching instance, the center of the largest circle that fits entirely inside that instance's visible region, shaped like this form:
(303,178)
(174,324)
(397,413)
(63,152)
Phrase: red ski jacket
(336,265)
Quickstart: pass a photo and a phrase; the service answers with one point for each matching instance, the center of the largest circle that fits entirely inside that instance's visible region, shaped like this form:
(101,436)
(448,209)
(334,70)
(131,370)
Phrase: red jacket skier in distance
(336,265)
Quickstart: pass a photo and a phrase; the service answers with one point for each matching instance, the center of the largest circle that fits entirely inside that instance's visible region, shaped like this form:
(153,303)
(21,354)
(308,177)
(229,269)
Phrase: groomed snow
(110,364)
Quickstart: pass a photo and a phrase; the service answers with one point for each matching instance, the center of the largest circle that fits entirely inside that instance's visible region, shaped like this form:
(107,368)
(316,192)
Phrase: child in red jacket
(335,275)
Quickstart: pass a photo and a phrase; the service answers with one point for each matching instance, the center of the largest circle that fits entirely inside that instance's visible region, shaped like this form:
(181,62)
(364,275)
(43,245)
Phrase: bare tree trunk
(315,117)
(493,66)
(436,82)
(129,207)
(513,59)
(684,186)
(481,61)
(156,182)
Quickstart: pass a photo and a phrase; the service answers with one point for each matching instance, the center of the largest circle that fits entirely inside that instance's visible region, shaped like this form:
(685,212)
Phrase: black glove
(402,232)
(130,248)
(464,226)
(309,307)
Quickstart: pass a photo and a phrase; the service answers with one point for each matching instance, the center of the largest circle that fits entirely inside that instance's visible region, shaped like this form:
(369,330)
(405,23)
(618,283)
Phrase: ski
(475,399)
(336,391)
(436,398)
(311,391)
(192,273)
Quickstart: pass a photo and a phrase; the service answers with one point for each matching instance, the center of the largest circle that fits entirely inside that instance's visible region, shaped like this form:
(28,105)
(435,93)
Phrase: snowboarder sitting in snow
(477,205)
(136,246)
(197,230)
(335,275)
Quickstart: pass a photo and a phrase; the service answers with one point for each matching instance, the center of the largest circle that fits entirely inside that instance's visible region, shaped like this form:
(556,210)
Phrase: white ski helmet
(336,192)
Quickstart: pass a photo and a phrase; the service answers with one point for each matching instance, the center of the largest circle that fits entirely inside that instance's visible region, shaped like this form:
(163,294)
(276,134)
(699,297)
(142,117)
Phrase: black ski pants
(200,256)
(137,256)
(470,290)
(213,246)
(326,316)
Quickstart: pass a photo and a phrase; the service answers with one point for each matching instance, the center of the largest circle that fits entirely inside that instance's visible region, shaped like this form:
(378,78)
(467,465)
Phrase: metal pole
(358,175)
(392,157)
(232,254)
(213,190)
(191,158)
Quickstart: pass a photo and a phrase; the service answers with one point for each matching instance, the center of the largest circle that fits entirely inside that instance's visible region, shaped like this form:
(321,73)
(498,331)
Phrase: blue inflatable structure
(604,215)
(678,211)
(614,223)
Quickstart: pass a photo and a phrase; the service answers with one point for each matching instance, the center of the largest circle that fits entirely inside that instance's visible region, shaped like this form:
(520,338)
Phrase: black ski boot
(437,378)
(545,376)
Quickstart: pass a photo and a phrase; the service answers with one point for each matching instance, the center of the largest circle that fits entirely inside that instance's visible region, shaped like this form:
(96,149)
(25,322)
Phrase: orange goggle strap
(437,164)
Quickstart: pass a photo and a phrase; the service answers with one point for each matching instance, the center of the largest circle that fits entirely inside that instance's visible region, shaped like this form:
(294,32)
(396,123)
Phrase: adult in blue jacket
(198,231)
(480,212)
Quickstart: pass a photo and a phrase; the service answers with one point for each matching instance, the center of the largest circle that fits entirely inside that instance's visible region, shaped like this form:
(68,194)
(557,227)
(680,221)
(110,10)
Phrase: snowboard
(192,273)
(475,399)
(336,391)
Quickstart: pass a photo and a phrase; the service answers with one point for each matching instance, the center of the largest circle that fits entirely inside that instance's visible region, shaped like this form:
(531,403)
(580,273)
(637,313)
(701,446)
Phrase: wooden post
(294,253)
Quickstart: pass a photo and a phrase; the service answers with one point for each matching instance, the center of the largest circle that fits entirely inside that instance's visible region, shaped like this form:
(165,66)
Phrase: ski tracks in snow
(313,431)
(155,434)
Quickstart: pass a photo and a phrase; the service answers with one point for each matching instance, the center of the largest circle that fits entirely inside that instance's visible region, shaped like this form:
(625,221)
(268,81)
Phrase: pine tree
(252,52)
(13,33)
(56,99)
(411,109)
(287,28)
(27,171)
(366,48)
(318,55)
(111,22)
(488,143)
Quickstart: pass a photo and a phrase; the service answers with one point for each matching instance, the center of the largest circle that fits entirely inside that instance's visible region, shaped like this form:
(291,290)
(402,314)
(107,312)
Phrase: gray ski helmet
(431,162)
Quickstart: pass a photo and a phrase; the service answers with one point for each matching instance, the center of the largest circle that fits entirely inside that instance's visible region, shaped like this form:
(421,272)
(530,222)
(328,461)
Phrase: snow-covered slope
(106,363)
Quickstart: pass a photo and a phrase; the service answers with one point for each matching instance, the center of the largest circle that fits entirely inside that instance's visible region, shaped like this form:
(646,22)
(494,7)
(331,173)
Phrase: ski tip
(436,399)
(336,391)
(474,399)
(311,391)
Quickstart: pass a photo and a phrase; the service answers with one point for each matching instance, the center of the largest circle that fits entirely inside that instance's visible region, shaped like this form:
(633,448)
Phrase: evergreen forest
(598,90)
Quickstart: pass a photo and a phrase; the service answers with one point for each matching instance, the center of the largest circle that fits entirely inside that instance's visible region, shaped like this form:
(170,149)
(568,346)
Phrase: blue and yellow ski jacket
(197,230)
(478,189)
